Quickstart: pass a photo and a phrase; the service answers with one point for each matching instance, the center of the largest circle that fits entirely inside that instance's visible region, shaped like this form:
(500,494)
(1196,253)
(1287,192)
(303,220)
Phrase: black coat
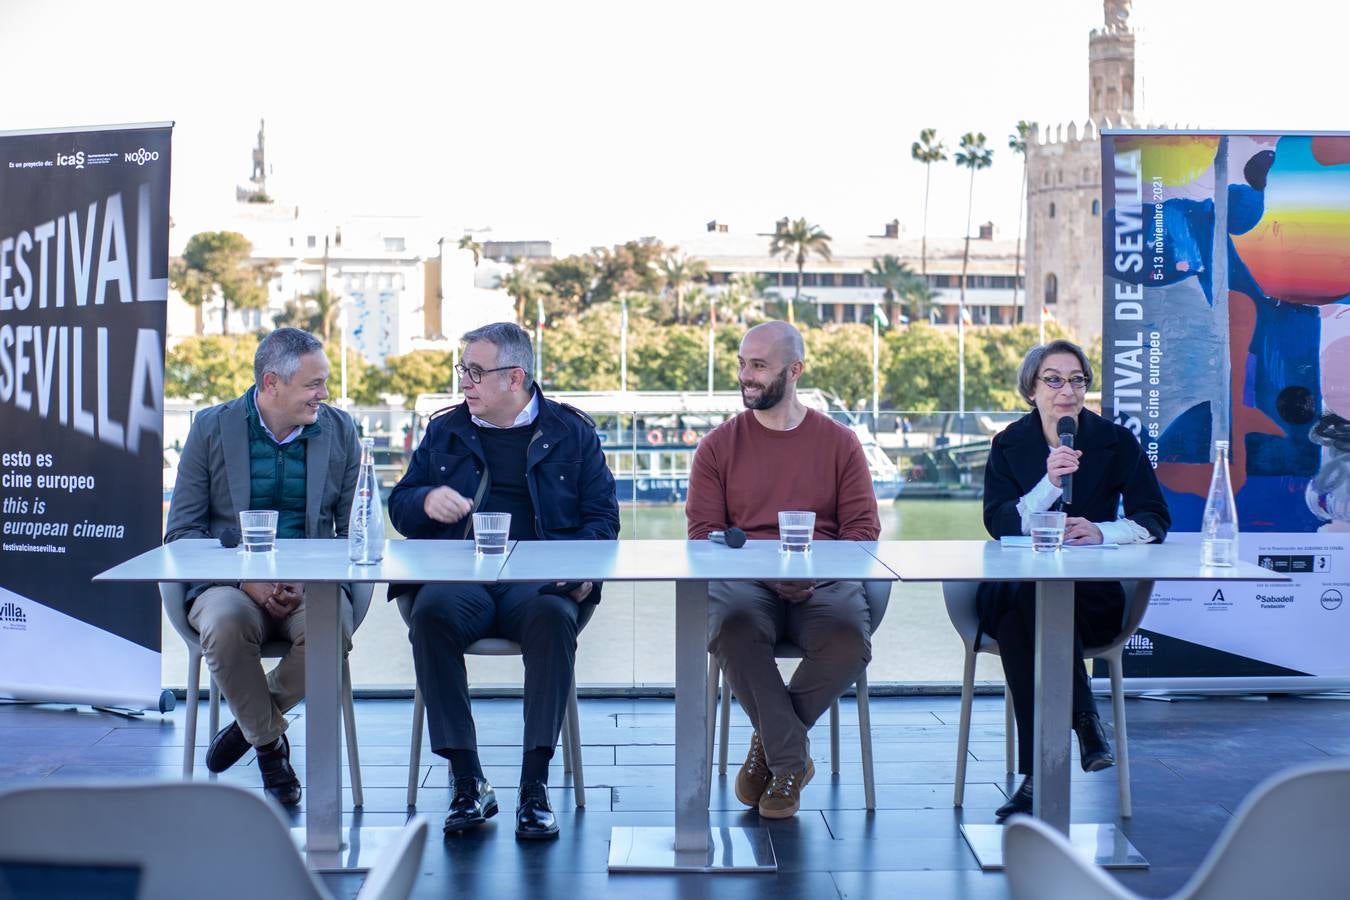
(571,487)
(1113,468)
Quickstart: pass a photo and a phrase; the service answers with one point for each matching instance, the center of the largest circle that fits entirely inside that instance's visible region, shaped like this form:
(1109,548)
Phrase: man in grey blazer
(280,447)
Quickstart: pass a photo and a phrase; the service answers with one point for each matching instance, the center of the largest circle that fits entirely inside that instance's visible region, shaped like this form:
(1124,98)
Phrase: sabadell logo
(142,156)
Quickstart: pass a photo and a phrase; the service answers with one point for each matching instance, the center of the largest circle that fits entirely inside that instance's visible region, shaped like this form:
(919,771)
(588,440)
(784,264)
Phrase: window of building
(1052,210)
(311,241)
(1096,207)
(853,279)
(1045,179)
(1051,289)
(787,279)
(394,245)
(810,279)
(1059,176)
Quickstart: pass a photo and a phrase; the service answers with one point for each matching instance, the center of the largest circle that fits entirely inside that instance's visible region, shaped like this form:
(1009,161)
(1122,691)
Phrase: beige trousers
(833,630)
(233,630)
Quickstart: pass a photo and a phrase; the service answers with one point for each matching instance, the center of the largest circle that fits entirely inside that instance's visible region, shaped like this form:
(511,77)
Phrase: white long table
(321,565)
(691,846)
(1054,575)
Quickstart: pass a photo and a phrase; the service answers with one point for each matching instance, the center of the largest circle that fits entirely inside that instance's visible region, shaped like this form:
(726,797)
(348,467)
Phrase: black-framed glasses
(475,374)
(1077,382)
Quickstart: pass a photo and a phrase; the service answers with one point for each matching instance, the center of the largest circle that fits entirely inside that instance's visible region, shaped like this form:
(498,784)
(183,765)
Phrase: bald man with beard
(779,455)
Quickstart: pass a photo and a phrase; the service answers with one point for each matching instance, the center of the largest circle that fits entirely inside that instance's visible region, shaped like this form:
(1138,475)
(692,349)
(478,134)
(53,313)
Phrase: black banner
(84,230)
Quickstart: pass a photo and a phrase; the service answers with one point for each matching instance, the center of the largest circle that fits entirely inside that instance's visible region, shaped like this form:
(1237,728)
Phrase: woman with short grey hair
(1027,473)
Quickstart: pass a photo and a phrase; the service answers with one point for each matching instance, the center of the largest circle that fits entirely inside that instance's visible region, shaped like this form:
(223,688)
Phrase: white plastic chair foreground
(1288,839)
(205,840)
(174,595)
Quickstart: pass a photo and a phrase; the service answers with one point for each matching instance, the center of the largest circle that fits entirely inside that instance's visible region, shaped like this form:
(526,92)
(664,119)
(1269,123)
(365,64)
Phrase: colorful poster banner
(1226,305)
(84,232)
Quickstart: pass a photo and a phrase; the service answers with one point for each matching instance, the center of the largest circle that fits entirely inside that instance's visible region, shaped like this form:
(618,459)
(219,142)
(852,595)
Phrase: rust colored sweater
(744,474)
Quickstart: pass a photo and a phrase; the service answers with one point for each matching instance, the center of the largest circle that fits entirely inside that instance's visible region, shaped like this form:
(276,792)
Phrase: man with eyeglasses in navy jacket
(506,448)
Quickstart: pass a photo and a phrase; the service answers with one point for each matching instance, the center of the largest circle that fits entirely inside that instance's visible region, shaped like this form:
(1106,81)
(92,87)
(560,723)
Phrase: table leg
(1054,701)
(691,846)
(692,761)
(323,660)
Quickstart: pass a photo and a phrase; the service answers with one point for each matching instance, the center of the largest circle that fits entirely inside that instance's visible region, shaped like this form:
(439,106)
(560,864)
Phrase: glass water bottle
(365,532)
(1219,528)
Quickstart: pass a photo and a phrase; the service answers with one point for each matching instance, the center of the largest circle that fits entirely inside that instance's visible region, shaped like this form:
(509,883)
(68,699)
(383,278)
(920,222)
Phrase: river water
(629,642)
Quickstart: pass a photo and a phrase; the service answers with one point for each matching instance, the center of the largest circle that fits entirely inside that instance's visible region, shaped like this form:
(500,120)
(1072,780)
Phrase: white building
(401,287)
(841,287)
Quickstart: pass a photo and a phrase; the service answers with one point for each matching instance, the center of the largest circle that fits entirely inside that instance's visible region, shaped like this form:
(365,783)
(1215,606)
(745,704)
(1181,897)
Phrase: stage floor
(1193,762)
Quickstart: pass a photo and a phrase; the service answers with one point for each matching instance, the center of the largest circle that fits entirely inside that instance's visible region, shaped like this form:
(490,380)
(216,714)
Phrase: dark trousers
(447,618)
(1098,613)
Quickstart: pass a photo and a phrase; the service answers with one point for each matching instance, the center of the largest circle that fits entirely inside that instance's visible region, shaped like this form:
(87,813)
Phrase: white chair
(174,596)
(188,838)
(1286,840)
(571,727)
(960,597)
(878,597)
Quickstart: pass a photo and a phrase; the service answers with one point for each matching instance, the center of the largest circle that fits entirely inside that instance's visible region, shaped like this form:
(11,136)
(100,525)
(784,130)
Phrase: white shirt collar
(263,422)
(527,415)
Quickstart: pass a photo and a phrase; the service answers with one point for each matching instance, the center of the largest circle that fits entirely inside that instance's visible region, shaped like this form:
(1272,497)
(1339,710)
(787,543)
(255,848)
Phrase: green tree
(218,262)
(525,286)
(920,373)
(743,297)
(581,353)
(316,313)
(973,155)
(409,374)
(898,280)
(1017,143)
(927,150)
(631,267)
(793,243)
(679,272)
(839,362)
(570,280)
(466,242)
(212,367)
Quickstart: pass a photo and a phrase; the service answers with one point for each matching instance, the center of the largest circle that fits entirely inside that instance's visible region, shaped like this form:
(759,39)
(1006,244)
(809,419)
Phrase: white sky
(593,122)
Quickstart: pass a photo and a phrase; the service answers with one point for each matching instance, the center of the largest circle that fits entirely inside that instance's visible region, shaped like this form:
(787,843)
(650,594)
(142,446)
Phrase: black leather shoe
(534,817)
(1019,802)
(473,803)
(1093,748)
(227,748)
(278,777)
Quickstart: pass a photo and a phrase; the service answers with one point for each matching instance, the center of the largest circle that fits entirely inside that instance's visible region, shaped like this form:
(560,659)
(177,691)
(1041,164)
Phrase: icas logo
(72,159)
(142,156)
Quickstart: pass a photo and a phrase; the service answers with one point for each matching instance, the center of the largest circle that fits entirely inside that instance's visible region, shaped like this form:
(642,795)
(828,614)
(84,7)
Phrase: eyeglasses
(475,374)
(1077,382)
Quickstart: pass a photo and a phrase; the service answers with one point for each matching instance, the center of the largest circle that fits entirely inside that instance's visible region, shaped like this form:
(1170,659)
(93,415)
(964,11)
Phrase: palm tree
(468,243)
(679,271)
(793,242)
(1017,143)
(525,287)
(744,294)
(927,150)
(973,155)
(896,278)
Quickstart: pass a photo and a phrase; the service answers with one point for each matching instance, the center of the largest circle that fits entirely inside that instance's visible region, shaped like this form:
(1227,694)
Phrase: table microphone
(1067,428)
(229,537)
(732,537)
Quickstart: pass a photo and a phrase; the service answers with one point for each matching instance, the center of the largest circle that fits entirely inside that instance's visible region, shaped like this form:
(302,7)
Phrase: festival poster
(84,228)
(1227,316)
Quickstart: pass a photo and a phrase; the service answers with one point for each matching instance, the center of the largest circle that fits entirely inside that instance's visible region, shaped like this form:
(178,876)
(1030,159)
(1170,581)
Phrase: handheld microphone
(732,537)
(1067,428)
(229,537)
